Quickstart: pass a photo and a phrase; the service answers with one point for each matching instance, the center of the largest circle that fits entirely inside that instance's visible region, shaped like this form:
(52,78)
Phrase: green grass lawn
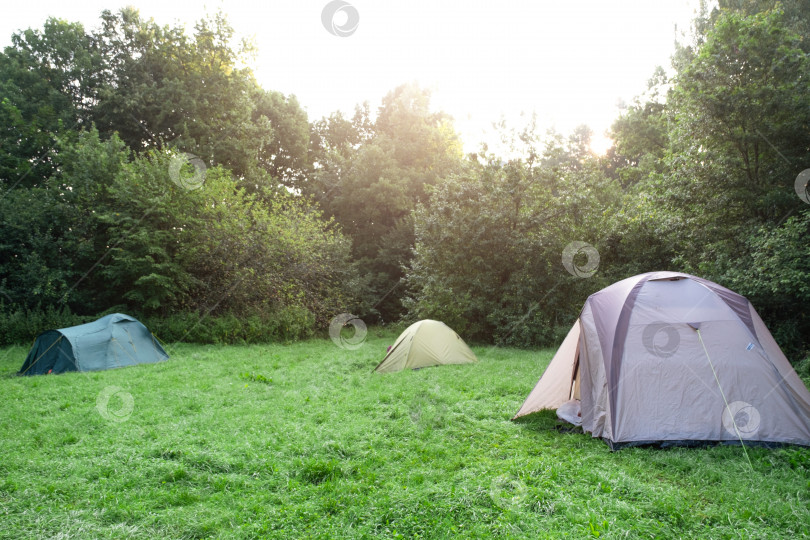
(302,440)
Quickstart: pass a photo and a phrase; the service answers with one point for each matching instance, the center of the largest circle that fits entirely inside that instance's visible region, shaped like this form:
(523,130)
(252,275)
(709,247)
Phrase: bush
(19,326)
(489,245)
(775,277)
(803,369)
(285,324)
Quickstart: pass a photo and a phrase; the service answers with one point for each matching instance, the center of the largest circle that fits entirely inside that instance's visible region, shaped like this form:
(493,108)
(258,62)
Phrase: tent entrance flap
(555,386)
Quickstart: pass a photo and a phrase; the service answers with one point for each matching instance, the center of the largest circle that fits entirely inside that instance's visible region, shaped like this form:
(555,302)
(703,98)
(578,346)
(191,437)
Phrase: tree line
(144,169)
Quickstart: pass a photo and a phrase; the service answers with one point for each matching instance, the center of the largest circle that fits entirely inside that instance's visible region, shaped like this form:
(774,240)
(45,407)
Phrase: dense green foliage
(144,169)
(489,243)
(738,116)
(700,179)
(22,325)
(370,175)
(160,85)
(142,172)
(303,441)
(284,326)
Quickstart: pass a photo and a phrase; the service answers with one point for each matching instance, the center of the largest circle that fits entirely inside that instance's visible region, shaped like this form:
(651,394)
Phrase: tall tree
(163,87)
(97,222)
(50,238)
(490,240)
(48,85)
(741,119)
(369,175)
(720,197)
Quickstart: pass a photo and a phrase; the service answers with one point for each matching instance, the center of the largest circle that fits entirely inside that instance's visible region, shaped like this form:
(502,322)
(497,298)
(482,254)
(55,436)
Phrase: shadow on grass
(545,423)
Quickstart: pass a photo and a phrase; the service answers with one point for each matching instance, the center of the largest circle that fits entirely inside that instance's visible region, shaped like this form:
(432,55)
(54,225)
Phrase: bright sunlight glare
(600,144)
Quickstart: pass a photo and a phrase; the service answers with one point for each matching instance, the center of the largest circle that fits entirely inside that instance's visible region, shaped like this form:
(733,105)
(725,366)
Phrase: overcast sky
(568,61)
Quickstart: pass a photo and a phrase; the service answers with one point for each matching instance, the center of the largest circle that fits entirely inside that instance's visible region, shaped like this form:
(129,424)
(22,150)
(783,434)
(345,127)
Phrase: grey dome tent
(112,341)
(670,358)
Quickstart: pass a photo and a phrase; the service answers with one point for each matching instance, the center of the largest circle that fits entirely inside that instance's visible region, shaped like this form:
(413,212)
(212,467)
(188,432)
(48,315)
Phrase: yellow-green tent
(426,343)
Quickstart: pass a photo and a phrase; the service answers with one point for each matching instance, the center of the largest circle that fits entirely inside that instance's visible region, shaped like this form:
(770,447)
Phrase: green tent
(426,343)
(113,341)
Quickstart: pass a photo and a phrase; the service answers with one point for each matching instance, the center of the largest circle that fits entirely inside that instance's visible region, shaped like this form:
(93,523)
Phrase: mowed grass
(303,441)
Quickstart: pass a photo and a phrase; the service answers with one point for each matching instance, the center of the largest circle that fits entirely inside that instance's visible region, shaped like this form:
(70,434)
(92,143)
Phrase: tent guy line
(733,419)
